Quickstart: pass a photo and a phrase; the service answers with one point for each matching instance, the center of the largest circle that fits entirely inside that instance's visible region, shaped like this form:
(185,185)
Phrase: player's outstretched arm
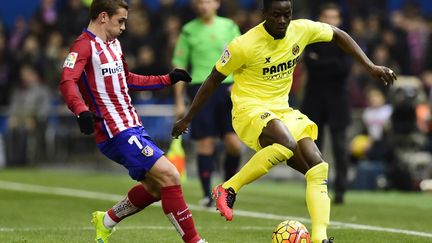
(344,41)
(205,91)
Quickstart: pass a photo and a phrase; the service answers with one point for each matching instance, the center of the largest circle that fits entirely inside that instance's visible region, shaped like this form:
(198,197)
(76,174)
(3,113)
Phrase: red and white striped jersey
(101,74)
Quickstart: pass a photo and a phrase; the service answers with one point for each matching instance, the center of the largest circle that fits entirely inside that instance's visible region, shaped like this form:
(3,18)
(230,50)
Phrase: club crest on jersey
(147,151)
(111,68)
(70,60)
(295,49)
(265,115)
(226,56)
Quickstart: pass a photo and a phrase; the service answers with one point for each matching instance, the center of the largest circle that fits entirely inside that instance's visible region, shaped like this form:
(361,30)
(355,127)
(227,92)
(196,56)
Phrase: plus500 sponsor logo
(112,68)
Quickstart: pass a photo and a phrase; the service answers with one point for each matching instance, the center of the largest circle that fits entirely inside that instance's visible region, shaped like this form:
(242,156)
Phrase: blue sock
(231,165)
(205,168)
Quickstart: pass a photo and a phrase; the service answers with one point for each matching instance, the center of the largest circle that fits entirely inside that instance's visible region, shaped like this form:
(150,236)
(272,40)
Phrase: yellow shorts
(248,123)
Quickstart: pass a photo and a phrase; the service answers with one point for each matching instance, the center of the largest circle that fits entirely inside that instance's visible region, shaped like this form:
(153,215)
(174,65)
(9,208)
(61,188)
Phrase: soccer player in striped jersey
(200,44)
(95,83)
(262,62)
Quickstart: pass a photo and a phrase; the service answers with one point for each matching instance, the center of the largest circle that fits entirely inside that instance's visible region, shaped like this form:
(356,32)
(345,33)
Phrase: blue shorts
(134,149)
(214,118)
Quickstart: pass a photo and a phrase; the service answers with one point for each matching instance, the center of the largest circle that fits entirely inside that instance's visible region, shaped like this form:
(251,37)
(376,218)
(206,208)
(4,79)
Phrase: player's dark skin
(306,153)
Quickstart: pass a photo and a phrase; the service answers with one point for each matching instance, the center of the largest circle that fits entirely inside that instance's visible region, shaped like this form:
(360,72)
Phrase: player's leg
(204,132)
(145,162)
(317,200)
(231,141)
(138,197)
(205,163)
(277,143)
(233,148)
(167,177)
(340,154)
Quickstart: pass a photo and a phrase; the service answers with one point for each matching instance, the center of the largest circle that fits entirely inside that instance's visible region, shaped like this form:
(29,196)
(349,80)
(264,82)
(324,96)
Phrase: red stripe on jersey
(130,108)
(124,91)
(123,94)
(101,133)
(106,114)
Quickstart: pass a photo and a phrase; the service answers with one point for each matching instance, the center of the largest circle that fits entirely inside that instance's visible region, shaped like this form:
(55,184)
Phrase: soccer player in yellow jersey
(262,62)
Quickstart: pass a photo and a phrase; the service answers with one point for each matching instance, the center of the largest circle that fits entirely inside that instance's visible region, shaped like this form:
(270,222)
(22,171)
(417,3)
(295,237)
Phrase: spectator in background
(146,62)
(376,120)
(168,35)
(28,113)
(200,44)
(18,33)
(53,57)
(47,15)
(417,32)
(427,66)
(326,100)
(72,18)
(5,69)
(139,33)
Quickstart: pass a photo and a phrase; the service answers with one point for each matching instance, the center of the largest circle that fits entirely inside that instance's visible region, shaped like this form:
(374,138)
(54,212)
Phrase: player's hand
(180,127)
(86,121)
(384,74)
(179,75)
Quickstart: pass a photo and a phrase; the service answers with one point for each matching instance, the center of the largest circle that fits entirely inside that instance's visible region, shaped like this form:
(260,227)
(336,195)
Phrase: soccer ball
(290,231)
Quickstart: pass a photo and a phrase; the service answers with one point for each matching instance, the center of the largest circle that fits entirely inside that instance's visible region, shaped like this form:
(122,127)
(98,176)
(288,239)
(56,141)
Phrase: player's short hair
(267,3)
(109,6)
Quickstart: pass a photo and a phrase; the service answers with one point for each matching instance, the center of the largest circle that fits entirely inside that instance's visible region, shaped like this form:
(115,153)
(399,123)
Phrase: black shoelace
(231,197)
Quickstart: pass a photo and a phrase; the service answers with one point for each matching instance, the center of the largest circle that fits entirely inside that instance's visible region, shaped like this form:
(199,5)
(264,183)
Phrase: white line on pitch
(113,197)
(140,227)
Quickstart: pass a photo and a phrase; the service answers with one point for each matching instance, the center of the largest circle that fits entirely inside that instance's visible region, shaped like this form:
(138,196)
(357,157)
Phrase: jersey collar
(93,36)
(88,32)
(266,34)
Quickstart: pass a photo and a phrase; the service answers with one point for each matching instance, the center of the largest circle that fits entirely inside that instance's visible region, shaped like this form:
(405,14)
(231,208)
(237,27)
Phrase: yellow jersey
(263,67)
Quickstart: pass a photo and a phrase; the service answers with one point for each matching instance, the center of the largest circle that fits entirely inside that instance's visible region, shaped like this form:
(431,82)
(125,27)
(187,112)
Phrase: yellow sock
(259,165)
(317,200)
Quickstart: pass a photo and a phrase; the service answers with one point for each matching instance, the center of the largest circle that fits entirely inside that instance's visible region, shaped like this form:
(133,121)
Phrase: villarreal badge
(147,151)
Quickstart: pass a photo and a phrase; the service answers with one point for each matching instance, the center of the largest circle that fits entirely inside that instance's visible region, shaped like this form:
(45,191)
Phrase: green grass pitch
(55,206)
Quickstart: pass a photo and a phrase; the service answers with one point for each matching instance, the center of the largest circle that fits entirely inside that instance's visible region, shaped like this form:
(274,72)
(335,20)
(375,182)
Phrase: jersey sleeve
(233,57)
(73,67)
(181,51)
(318,31)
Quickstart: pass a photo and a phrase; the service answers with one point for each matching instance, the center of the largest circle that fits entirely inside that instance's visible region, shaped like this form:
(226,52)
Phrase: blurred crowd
(394,33)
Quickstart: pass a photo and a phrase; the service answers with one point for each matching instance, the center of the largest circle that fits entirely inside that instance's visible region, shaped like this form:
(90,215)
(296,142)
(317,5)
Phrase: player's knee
(166,174)
(234,148)
(281,153)
(290,144)
(170,177)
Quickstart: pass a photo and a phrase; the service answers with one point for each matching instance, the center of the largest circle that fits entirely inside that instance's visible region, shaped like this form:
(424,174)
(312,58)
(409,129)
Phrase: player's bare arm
(344,41)
(179,101)
(206,90)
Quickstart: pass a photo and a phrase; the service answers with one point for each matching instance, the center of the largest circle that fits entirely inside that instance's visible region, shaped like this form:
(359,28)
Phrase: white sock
(108,222)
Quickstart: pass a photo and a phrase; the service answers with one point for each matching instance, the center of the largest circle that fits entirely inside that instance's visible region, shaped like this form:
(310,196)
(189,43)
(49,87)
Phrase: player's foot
(102,232)
(225,199)
(202,241)
(207,202)
(330,240)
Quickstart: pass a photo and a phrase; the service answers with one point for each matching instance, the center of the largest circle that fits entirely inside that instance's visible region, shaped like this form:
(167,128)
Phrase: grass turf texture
(38,217)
